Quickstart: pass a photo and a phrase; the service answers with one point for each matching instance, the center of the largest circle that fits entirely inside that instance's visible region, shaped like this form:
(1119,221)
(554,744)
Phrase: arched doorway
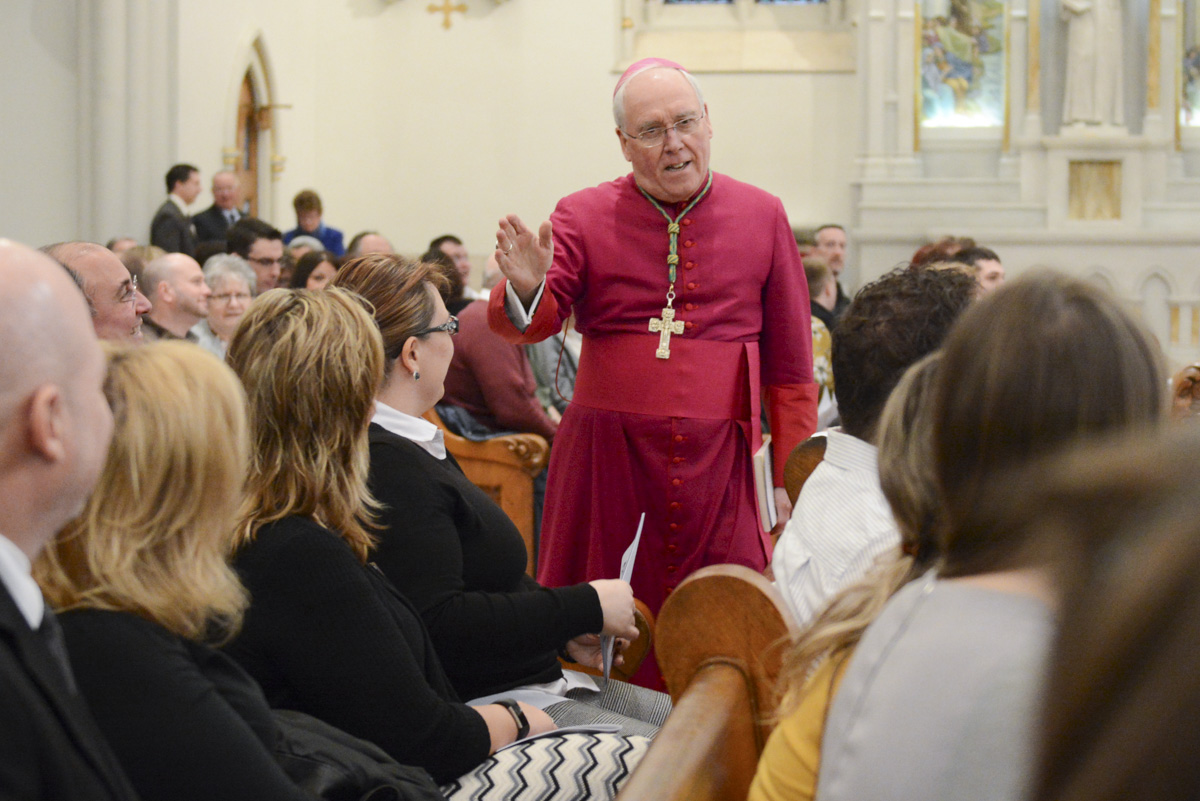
(252,152)
(247,144)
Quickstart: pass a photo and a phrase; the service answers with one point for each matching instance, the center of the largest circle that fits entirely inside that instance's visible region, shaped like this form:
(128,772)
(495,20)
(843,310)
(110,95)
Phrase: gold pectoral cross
(664,327)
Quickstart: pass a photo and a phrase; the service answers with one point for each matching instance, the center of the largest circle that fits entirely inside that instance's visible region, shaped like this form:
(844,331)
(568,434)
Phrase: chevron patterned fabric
(568,767)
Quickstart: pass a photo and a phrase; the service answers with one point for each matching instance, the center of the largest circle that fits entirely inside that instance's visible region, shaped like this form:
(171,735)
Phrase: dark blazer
(211,225)
(50,747)
(172,231)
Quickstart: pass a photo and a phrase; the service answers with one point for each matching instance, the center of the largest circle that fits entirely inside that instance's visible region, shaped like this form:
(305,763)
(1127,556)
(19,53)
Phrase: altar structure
(963,134)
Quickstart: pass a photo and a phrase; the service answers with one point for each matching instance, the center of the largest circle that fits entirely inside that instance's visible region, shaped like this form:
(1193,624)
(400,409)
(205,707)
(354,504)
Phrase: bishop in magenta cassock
(689,292)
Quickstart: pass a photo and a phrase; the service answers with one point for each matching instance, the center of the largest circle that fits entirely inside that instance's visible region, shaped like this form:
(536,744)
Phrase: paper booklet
(764,485)
(627,560)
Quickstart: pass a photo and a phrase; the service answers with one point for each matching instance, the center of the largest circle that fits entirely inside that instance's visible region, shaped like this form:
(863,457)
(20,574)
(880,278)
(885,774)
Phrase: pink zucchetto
(641,66)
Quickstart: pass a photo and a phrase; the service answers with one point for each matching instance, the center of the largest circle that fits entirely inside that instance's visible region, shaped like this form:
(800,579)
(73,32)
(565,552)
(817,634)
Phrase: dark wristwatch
(518,716)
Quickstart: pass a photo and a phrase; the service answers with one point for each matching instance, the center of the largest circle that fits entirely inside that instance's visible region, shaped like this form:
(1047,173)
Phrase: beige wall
(38,156)
(414,130)
(400,124)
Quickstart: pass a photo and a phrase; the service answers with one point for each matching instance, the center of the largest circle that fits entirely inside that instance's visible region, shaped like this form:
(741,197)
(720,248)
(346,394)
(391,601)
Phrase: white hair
(619,97)
(228,265)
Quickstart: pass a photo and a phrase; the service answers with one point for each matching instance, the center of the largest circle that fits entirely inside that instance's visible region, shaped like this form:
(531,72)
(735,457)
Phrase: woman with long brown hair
(938,701)
(455,554)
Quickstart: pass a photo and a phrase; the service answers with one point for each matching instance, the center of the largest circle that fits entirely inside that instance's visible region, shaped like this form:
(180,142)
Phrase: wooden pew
(800,464)
(1185,393)
(504,467)
(718,647)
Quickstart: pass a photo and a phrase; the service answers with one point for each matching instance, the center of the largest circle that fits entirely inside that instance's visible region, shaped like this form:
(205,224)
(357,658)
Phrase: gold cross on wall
(447,8)
(664,328)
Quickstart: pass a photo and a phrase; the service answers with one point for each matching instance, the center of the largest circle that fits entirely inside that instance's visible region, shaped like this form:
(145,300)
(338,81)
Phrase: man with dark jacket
(55,425)
(172,228)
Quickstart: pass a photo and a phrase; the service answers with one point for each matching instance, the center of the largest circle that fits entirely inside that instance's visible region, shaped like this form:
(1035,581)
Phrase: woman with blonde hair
(326,632)
(143,588)
(813,667)
(455,554)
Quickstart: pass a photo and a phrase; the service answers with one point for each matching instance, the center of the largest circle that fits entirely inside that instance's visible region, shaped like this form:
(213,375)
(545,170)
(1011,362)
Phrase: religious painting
(962,62)
(1189,107)
(1189,76)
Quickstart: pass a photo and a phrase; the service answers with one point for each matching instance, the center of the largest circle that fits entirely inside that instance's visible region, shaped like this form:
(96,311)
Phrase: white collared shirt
(841,524)
(15,573)
(425,434)
(178,201)
(516,310)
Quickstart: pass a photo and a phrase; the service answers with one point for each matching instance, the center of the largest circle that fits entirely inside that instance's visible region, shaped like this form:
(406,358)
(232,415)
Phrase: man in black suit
(55,426)
(172,229)
(212,223)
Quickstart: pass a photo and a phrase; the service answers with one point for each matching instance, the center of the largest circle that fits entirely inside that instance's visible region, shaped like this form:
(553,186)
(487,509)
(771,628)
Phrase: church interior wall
(415,130)
(38,121)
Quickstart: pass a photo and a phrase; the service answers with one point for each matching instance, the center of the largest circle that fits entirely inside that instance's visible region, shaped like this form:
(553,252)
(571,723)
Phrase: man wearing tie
(172,228)
(55,425)
(212,223)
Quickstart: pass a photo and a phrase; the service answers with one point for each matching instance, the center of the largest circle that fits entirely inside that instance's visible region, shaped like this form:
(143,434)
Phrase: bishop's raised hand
(524,257)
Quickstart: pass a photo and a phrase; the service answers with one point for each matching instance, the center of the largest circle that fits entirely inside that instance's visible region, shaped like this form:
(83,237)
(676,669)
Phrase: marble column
(126,105)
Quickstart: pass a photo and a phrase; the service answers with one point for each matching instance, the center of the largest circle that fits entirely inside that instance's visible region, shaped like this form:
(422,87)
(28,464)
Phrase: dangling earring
(416,376)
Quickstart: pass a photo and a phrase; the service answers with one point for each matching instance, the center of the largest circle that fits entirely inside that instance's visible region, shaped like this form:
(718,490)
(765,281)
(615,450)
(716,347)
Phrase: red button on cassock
(677,459)
(687,220)
(676,481)
(692,285)
(689,324)
(672,548)
(674,504)
(679,437)
(690,306)
(671,568)
(674,527)
(688,243)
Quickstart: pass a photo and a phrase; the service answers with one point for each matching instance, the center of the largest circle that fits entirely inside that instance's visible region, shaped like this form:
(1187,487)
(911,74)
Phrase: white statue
(1093,90)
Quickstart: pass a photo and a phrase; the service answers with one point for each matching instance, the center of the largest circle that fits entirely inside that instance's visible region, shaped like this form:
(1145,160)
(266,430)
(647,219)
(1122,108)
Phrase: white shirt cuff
(517,314)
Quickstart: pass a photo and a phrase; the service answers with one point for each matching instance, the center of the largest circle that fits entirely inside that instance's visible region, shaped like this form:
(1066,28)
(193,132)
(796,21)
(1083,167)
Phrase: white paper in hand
(630,556)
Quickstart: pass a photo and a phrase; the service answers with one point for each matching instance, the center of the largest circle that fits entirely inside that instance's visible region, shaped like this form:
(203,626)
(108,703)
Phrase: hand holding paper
(606,642)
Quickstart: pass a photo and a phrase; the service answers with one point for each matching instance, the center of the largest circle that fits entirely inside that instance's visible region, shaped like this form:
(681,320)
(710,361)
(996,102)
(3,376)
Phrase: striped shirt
(840,526)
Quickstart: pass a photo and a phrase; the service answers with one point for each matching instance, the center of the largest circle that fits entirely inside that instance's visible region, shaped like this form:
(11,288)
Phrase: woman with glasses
(232,283)
(326,633)
(454,553)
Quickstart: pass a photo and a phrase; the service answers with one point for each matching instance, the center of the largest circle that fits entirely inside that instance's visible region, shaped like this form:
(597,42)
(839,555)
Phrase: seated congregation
(280,547)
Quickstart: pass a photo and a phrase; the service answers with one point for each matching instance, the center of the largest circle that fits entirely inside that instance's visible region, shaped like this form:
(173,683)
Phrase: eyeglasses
(225,297)
(266,261)
(131,291)
(653,137)
(450,327)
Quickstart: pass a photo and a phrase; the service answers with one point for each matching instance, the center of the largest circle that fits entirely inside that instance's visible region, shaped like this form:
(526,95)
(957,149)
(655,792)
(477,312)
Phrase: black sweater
(450,549)
(333,638)
(186,723)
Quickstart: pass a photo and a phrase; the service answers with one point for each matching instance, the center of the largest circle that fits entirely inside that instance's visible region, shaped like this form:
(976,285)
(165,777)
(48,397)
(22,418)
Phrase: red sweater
(492,379)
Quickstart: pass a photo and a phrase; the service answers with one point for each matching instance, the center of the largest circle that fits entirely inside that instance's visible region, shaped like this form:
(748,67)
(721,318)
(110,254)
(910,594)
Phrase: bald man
(176,286)
(112,292)
(55,426)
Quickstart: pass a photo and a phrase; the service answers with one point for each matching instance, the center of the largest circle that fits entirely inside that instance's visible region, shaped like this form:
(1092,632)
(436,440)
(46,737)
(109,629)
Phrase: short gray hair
(619,97)
(228,265)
